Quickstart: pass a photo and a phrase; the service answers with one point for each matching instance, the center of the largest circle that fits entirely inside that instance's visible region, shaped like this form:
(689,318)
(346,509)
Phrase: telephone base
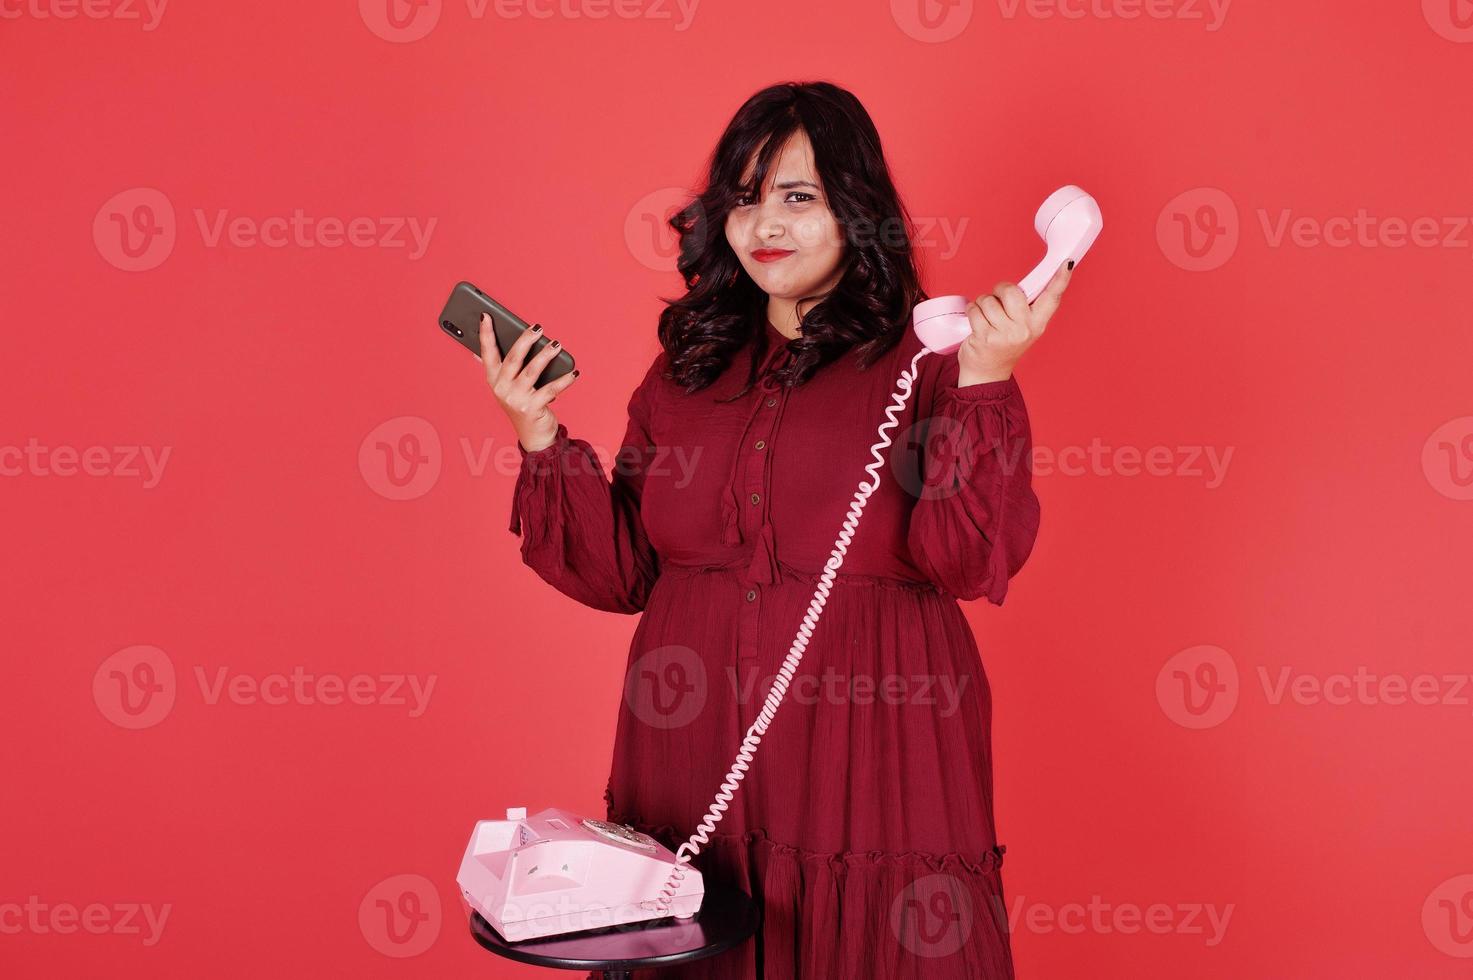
(584,924)
(554,873)
(728,918)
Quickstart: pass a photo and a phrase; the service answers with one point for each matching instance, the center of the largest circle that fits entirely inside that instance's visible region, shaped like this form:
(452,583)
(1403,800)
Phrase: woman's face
(789,242)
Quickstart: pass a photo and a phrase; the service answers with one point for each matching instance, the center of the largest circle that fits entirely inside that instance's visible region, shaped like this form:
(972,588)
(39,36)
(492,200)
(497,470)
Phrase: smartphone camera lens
(451,328)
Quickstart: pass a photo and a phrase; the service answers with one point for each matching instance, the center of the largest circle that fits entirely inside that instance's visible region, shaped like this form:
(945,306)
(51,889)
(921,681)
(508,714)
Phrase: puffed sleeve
(977,517)
(581,531)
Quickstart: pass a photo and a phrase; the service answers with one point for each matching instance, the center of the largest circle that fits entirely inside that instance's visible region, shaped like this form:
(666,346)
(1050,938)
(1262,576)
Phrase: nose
(770,230)
(770,225)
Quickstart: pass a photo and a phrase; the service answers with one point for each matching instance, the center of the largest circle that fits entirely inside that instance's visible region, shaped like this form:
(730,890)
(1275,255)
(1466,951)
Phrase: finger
(981,329)
(1015,306)
(533,369)
(551,390)
(1010,332)
(996,315)
(1014,300)
(490,353)
(516,354)
(1048,300)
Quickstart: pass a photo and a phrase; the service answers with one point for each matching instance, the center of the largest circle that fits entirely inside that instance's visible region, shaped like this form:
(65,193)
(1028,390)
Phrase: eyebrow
(789,184)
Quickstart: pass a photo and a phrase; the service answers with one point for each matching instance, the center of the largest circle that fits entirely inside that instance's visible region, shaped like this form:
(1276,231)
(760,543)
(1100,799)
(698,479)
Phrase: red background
(1327,547)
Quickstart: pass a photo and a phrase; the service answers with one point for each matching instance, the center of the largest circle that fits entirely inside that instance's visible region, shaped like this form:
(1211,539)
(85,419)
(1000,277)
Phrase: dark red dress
(865,823)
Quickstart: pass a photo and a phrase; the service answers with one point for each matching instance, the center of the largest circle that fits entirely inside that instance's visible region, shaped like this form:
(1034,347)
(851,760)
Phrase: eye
(794,197)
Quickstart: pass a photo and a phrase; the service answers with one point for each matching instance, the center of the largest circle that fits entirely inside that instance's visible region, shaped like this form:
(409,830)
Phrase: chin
(781,286)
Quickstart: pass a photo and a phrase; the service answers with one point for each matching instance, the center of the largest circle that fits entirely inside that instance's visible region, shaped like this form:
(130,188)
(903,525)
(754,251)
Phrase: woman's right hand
(511,382)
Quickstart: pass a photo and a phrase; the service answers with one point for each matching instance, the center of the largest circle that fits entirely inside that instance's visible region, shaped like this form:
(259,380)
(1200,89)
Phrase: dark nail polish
(576,372)
(1071,265)
(536,328)
(555,343)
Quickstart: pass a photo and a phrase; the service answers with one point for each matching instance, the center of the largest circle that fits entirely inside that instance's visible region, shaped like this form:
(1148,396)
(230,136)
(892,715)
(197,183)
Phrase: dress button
(771,402)
(756,498)
(761,443)
(751,595)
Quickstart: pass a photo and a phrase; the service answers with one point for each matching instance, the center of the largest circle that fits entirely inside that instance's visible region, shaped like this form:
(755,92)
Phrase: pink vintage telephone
(555,872)
(1069,221)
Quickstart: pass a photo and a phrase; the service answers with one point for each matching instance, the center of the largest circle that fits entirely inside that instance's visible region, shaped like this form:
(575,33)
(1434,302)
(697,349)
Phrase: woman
(865,823)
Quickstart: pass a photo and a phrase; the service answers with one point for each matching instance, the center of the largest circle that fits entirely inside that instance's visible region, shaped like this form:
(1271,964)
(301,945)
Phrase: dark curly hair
(723,310)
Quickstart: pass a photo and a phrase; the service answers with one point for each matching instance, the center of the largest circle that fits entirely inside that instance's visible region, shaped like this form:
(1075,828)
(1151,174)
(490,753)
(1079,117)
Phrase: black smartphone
(461,319)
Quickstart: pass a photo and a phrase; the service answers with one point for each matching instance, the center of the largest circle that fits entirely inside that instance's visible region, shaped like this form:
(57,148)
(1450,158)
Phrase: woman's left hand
(1004,326)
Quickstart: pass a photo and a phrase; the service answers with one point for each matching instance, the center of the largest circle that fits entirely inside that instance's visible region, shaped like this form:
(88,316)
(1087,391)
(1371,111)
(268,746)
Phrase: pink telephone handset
(555,872)
(1069,221)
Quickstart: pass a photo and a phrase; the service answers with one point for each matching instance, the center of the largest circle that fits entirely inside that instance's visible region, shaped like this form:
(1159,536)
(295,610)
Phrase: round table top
(728,917)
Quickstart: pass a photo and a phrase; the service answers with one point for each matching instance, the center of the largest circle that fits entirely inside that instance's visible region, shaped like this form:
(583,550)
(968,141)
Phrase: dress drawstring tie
(731,534)
(763,567)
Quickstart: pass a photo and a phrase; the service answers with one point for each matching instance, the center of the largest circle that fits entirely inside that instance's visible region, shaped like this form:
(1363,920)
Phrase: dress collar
(777,347)
(773,331)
